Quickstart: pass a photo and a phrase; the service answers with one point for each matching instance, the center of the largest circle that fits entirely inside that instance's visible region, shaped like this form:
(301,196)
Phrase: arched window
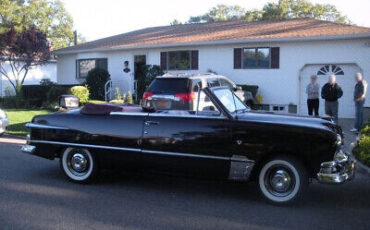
(330,69)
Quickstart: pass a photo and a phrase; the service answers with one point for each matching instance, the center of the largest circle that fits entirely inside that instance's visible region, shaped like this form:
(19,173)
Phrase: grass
(362,150)
(18,118)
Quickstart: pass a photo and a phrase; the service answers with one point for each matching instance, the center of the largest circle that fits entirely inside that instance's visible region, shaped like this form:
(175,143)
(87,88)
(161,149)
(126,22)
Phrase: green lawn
(18,118)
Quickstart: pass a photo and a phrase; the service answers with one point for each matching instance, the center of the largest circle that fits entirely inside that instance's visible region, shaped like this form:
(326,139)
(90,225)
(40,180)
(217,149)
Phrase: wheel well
(262,161)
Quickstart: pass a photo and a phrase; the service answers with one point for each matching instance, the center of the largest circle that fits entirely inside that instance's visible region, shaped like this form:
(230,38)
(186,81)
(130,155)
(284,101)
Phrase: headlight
(2,114)
(339,140)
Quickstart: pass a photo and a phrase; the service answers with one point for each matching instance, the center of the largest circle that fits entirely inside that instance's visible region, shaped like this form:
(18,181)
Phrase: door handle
(148,123)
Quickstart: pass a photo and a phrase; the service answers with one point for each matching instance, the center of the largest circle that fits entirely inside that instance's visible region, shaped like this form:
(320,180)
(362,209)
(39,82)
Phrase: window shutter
(102,64)
(164,60)
(237,58)
(275,57)
(194,59)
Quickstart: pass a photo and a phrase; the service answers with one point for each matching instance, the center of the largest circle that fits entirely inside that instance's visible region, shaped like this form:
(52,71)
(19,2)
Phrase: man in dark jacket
(331,92)
(359,96)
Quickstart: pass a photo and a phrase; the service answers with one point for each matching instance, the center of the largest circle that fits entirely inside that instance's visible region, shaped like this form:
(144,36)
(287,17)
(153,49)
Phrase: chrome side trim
(166,115)
(129,113)
(185,155)
(41,126)
(186,116)
(85,145)
(176,154)
(240,168)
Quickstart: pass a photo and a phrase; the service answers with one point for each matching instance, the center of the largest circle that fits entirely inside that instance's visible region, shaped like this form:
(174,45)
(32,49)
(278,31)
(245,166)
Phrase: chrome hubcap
(280,181)
(78,162)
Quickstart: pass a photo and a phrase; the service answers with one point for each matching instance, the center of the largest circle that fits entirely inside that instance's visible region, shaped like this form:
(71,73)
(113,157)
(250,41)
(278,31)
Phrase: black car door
(186,143)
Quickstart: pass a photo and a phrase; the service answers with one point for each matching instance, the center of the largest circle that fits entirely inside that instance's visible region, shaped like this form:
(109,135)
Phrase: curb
(12,139)
(361,168)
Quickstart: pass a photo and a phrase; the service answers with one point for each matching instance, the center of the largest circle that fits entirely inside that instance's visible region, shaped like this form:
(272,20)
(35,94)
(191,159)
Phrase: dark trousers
(313,105)
(331,109)
(359,114)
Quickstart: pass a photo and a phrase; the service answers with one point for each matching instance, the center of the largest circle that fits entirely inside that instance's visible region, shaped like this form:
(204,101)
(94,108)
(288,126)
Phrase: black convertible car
(222,138)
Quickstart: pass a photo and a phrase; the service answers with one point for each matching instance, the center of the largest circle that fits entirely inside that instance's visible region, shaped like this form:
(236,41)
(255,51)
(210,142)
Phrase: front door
(188,141)
(139,75)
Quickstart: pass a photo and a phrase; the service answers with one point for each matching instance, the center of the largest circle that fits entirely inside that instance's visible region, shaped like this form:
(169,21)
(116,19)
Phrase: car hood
(290,120)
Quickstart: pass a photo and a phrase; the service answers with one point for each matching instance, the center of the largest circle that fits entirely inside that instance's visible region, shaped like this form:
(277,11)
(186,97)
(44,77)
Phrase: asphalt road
(35,195)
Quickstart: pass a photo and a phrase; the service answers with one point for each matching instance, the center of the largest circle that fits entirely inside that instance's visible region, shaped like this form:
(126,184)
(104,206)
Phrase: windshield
(231,102)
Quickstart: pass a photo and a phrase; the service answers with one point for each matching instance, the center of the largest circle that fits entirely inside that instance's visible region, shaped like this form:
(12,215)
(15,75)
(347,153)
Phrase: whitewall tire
(282,180)
(79,165)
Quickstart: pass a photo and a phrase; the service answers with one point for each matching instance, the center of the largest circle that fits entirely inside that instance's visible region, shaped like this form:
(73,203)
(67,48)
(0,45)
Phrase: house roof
(236,31)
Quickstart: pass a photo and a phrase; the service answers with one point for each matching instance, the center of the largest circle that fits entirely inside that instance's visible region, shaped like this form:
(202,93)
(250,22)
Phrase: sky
(96,19)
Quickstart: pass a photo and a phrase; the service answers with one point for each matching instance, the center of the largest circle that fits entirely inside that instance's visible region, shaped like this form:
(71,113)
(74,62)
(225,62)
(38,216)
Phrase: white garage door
(345,78)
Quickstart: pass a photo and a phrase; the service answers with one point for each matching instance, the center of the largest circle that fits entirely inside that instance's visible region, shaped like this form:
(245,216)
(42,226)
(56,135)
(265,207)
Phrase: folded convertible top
(106,109)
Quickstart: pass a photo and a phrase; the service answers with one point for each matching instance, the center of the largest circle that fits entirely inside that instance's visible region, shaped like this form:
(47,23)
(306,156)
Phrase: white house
(278,56)
(34,76)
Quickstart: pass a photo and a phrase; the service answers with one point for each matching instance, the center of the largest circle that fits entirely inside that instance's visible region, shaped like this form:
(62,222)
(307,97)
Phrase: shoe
(354,130)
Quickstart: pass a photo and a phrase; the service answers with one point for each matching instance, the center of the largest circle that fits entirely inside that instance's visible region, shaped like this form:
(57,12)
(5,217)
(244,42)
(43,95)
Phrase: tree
(289,9)
(48,16)
(21,51)
(283,9)
(220,13)
(175,22)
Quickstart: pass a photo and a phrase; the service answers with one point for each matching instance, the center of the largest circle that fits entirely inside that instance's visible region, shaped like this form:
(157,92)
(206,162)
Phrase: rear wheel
(283,180)
(79,165)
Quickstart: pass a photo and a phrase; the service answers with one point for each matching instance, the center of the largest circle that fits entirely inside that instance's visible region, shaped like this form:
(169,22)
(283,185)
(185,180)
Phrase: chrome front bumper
(341,169)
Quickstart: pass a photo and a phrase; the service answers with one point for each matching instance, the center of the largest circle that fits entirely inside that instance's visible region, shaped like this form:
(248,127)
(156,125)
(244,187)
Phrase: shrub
(128,98)
(95,81)
(54,93)
(362,150)
(81,92)
(118,94)
(46,82)
(366,130)
(96,102)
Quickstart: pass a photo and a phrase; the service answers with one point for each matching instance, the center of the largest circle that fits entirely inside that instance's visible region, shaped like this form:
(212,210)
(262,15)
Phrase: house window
(179,60)
(330,69)
(257,58)
(85,65)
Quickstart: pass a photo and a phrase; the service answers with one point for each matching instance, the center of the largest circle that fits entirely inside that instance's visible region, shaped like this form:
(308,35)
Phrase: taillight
(185,96)
(147,95)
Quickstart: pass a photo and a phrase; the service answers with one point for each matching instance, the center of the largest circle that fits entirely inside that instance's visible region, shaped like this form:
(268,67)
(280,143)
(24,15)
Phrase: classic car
(221,138)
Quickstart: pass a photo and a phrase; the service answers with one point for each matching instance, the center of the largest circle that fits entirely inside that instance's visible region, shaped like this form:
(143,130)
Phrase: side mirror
(236,88)
(69,101)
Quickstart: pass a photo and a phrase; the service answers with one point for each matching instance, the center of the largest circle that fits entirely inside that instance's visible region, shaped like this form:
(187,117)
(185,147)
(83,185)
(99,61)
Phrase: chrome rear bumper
(30,149)
(341,169)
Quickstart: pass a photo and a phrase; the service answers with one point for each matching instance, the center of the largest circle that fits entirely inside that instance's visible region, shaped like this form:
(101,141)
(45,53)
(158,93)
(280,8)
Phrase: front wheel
(283,180)
(79,165)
